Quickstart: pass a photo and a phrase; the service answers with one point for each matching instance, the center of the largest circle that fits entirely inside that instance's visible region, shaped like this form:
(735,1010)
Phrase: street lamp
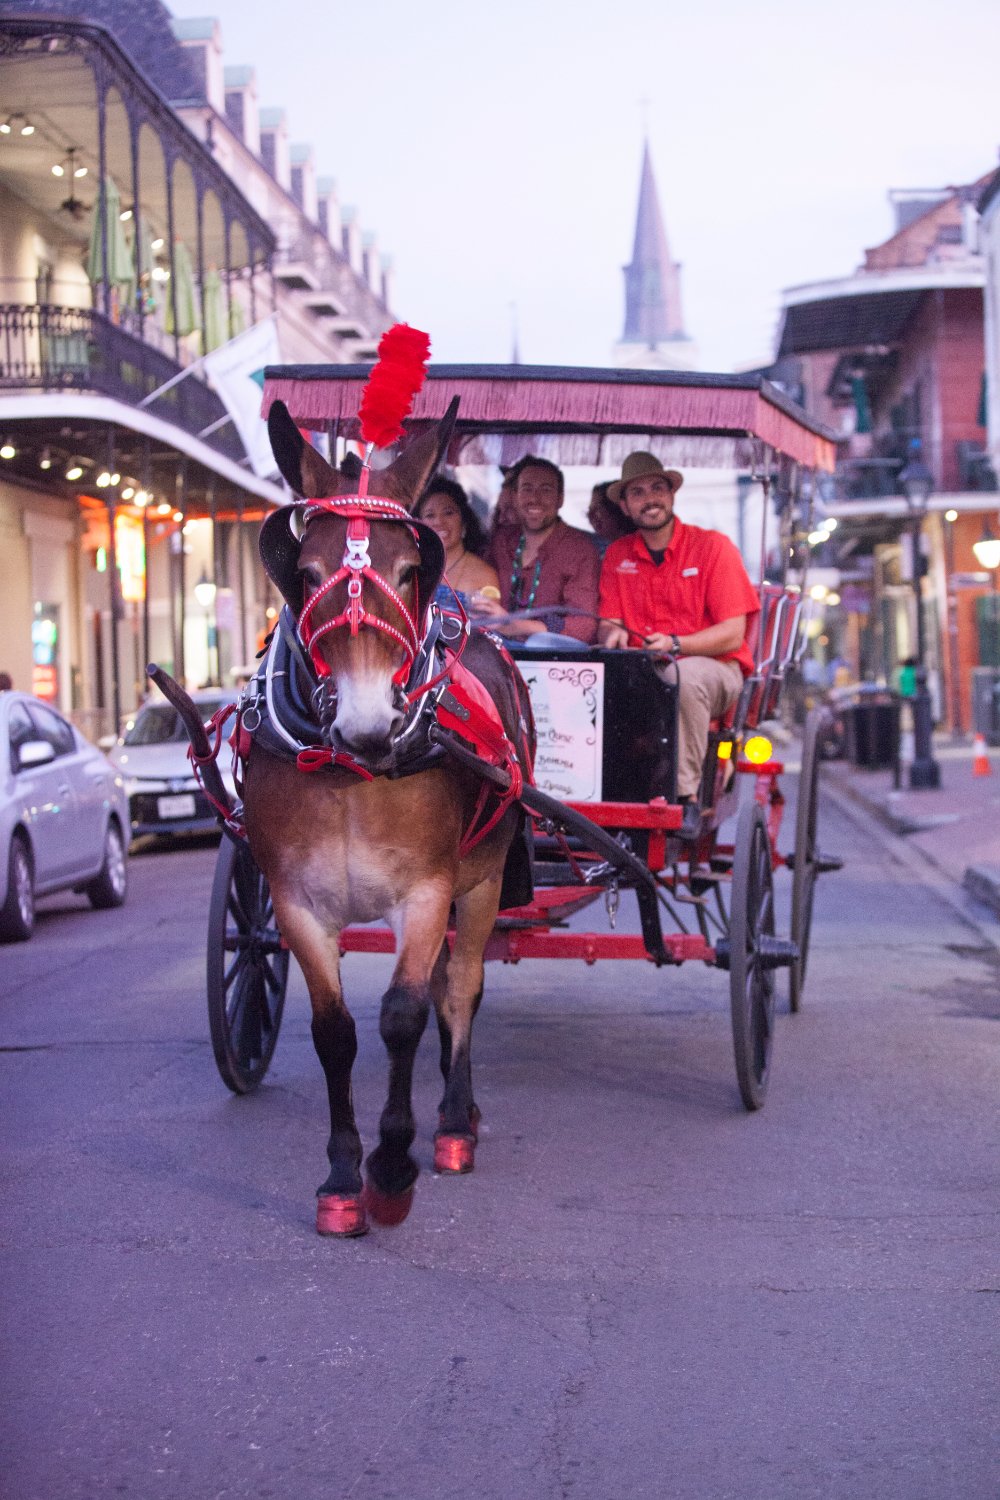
(204,593)
(916,482)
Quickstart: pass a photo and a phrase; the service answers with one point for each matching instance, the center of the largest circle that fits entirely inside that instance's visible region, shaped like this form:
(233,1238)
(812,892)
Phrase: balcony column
(180,505)
(147,485)
(170,164)
(102,197)
(133,129)
(253,282)
(229,277)
(200,244)
(241,574)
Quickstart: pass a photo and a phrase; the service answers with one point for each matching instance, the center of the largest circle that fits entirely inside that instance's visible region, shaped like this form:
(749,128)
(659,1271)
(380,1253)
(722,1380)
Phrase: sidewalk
(956,827)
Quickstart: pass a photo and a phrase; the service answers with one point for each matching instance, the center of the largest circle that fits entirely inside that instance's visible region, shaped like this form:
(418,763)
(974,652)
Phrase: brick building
(892,358)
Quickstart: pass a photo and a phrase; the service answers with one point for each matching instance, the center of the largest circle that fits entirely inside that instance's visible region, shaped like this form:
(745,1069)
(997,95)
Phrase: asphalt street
(641,1291)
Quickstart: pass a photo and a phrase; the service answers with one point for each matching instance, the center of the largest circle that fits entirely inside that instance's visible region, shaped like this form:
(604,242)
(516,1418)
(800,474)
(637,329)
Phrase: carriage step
(773,952)
(823,864)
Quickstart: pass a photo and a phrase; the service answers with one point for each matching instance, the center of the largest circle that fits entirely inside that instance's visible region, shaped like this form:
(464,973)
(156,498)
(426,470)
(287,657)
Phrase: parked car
(151,755)
(63,815)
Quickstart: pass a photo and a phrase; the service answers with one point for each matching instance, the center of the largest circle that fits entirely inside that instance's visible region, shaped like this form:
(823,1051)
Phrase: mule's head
(308,552)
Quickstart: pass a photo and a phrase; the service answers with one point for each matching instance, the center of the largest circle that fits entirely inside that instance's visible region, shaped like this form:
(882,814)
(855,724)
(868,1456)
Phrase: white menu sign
(568,703)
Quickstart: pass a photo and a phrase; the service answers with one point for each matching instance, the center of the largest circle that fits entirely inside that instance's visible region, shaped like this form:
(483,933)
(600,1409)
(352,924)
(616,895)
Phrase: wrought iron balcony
(47,348)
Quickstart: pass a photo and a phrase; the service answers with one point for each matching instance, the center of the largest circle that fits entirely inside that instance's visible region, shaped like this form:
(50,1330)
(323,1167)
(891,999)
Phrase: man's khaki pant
(708,687)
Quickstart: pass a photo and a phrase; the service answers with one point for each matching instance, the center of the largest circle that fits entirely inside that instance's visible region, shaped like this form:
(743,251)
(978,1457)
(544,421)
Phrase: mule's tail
(207,765)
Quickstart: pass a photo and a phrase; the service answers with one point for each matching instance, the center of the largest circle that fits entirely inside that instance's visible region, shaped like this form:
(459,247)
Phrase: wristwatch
(675,645)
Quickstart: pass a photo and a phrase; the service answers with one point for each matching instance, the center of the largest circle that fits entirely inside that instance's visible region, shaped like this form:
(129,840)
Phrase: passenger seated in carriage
(445,508)
(543,565)
(681,591)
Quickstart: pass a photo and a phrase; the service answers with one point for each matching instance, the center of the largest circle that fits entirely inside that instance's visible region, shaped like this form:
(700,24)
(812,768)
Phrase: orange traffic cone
(980,760)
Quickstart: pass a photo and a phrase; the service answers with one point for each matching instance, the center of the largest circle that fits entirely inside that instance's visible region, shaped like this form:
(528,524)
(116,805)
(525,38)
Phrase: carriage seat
(776,640)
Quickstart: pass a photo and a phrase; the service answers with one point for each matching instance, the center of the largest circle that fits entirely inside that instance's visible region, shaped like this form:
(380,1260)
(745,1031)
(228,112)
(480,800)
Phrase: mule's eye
(310,576)
(407,575)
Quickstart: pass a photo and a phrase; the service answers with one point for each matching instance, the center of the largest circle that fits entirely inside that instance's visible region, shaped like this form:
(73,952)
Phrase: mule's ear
(414,468)
(305,470)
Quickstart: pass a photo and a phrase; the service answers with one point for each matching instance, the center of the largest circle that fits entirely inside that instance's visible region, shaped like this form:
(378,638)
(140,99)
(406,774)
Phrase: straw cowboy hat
(642,466)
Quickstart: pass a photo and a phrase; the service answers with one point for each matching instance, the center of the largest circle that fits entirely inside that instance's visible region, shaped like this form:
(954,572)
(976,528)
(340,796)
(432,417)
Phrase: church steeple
(654,323)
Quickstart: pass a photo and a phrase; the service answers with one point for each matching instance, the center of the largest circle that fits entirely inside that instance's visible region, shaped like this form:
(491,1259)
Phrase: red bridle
(359,511)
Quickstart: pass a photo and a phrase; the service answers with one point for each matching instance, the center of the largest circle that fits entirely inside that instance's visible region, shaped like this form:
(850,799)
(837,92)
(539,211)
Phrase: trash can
(872,724)
(986,703)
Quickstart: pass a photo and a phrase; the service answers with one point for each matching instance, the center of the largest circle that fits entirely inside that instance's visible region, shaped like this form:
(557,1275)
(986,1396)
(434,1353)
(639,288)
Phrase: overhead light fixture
(986,550)
(27,128)
(116,478)
(5,128)
(951,515)
(142,497)
(45,462)
(58,170)
(164,508)
(127,213)
(7,449)
(75,470)
(79,171)
(103,479)
(127,492)
(158,243)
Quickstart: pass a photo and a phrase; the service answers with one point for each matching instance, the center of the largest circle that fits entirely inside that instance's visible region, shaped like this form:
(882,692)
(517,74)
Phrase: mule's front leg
(340,1206)
(390,1169)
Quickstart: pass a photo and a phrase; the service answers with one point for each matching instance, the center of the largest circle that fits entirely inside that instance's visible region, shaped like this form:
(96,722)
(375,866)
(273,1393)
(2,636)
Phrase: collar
(640,549)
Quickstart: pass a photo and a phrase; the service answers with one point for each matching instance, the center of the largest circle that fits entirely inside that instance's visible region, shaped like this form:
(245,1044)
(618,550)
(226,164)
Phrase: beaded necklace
(516,579)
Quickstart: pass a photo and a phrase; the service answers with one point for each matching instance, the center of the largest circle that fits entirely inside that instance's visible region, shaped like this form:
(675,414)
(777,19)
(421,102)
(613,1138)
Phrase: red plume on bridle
(403,353)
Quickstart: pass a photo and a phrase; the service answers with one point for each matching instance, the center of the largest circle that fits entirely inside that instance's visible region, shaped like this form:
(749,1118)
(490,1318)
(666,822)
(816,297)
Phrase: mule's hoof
(454,1153)
(386,1208)
(341,1214)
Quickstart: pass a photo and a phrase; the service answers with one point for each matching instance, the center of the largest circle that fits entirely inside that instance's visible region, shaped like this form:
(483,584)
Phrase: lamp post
(204,593)
(916,482)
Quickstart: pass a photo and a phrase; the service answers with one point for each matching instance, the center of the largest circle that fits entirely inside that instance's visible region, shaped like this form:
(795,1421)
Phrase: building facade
(892,358)
(147,217)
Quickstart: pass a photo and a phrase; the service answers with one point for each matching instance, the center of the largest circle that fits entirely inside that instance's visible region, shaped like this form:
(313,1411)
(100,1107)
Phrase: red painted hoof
(386,1208)
(454,1153)
(342,1215)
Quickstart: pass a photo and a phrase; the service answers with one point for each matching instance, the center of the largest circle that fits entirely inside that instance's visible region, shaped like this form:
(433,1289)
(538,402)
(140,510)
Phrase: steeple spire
(653,316)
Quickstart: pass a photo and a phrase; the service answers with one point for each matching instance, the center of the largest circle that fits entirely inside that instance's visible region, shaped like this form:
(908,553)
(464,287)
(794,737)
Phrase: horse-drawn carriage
(594,822)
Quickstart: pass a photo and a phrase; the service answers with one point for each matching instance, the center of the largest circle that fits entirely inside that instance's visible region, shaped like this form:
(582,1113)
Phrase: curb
(985,893)
(983,884)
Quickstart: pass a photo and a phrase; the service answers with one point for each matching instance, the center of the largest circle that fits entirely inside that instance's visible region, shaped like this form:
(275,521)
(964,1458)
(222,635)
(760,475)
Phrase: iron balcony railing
(47,348)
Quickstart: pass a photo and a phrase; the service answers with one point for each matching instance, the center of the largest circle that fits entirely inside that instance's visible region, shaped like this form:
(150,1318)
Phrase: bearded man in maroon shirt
(681,591)
(543,565)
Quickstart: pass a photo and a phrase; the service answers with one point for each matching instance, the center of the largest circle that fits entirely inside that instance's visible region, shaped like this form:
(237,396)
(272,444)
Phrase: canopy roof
(577,416)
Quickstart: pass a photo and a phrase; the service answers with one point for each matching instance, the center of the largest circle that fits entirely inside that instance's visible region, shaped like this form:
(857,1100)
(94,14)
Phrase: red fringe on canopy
(533,404)
(403,353)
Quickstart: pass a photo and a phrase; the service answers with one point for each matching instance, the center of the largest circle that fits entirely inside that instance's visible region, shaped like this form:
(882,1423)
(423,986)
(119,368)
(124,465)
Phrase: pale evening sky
(495,149)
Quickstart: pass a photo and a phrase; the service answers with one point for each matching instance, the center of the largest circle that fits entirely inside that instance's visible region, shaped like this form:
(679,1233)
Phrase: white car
(63,815)
(151,756)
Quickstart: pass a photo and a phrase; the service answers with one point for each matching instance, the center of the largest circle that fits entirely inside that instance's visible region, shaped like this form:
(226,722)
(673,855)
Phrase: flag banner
(236,372)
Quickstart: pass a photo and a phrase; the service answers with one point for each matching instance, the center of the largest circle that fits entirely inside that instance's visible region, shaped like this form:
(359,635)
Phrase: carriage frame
(583,852)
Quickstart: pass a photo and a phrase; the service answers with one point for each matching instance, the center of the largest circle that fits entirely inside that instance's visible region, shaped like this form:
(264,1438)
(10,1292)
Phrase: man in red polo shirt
(682,591)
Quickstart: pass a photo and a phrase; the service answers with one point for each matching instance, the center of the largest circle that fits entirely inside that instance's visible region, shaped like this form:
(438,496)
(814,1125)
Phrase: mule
(337,847)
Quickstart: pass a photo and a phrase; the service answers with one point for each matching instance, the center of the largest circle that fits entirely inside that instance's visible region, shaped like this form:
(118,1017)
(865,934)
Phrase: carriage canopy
(578,416)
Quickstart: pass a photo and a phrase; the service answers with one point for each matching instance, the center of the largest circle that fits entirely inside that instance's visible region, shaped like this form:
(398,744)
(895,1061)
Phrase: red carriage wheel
(804,866)
(751,975)
(247,970)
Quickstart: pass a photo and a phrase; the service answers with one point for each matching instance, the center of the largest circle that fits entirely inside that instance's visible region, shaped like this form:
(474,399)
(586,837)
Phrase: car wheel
(108,888)
(17,917)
